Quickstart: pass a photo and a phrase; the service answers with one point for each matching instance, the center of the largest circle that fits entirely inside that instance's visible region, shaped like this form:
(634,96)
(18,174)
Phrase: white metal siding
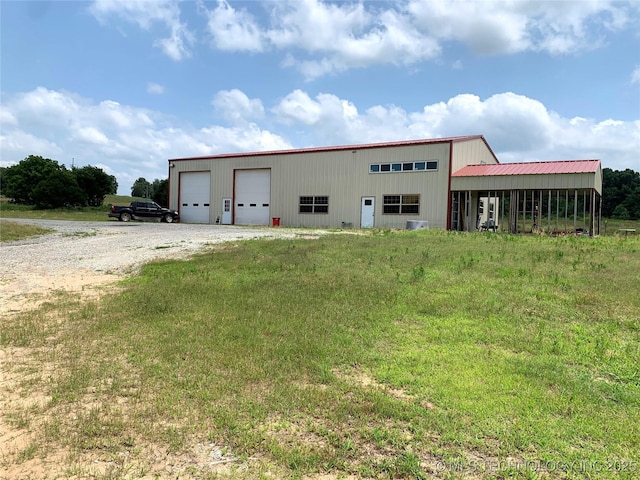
(471,152)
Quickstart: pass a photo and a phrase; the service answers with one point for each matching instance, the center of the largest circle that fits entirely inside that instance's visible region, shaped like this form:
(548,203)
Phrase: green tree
(59,189)
(19,180)
(141,188)
(41,182)
(621,213)
(620,188)
(161,192)
(95,183)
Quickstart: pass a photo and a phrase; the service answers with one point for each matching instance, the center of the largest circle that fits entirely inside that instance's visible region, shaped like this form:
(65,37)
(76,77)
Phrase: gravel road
(78,256)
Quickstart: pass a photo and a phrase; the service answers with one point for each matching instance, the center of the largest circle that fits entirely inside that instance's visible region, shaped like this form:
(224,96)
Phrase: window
(314,204)
(401,204)
(420,166)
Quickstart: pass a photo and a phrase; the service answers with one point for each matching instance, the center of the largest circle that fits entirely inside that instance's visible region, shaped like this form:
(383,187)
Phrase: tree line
(620,194)
(45,183)
(158,190)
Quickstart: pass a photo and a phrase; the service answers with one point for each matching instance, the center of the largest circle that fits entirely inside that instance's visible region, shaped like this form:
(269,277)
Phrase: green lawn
(387,355)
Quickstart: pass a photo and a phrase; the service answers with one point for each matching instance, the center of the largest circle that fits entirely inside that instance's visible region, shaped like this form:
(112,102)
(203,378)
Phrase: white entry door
(252,196)
(226,211)
(367,212)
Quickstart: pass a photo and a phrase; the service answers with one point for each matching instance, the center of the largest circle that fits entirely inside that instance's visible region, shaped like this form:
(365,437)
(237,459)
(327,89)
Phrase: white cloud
(7,119)
(298,107)
(236,107)
(504,27)
(635,75)
(155,88)
(233,29)
(320,38)
(177,45)
(24,144)
(145,14)
(90,135)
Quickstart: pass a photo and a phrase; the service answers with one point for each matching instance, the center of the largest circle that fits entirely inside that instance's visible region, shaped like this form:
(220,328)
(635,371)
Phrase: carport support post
(524,211)
(502,213)
(592,211)
(599,212)
(584,208)
(549,213)
(557,211)
(566,210)
(540,204)
(513,210)
(575,210)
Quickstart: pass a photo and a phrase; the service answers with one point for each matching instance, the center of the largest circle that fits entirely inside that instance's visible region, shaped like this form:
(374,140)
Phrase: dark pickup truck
(144,211)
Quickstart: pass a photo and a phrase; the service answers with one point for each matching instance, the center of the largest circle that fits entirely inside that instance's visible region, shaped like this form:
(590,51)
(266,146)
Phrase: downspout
(449,186)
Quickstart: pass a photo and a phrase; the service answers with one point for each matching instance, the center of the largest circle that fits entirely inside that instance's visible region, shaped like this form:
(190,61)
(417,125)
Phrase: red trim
(233,199)
(338,148)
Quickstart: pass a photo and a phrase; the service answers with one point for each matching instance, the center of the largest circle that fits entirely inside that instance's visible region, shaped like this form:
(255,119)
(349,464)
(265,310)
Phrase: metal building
(375,185)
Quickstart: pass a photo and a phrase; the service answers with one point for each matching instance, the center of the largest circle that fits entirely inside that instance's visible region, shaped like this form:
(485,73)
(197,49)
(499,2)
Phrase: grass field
(87,214)
(387,355)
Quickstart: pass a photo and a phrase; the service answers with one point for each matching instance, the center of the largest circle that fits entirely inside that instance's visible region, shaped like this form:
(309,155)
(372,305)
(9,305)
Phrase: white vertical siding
(471,152)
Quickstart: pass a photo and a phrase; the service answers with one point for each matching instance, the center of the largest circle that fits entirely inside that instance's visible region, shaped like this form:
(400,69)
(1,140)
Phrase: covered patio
(553,198)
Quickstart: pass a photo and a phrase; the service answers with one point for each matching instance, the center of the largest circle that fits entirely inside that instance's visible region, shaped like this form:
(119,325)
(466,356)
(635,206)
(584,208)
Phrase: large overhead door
(252,197)
(195,192)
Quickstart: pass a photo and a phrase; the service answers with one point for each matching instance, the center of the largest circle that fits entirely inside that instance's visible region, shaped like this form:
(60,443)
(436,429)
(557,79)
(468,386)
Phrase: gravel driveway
(79,256)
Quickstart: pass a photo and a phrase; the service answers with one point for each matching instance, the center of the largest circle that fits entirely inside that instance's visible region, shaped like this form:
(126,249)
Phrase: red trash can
(275,221)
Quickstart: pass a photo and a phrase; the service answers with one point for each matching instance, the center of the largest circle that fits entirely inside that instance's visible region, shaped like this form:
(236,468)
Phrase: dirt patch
(31,289)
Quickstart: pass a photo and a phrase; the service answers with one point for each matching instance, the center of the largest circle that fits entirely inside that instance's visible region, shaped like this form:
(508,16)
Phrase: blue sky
(126,85)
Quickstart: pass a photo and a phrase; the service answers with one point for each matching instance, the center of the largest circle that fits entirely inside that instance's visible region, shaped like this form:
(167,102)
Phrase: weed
(12,231)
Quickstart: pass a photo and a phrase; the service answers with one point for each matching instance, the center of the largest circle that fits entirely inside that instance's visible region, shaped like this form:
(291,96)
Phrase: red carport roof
(529,168)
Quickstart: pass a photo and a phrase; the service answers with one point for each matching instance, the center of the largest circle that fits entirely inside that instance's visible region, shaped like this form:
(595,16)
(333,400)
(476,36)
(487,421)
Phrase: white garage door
(253,193)
(195,191)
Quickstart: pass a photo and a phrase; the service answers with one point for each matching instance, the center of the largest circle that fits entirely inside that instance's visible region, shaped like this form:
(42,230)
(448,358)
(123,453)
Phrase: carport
(554,198)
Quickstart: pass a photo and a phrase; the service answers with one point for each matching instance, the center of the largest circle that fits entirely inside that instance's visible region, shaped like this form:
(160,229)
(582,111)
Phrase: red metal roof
(341,147)
(529,168)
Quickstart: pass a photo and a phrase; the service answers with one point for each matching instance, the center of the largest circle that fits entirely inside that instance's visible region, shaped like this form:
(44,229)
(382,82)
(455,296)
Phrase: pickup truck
(144,211)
